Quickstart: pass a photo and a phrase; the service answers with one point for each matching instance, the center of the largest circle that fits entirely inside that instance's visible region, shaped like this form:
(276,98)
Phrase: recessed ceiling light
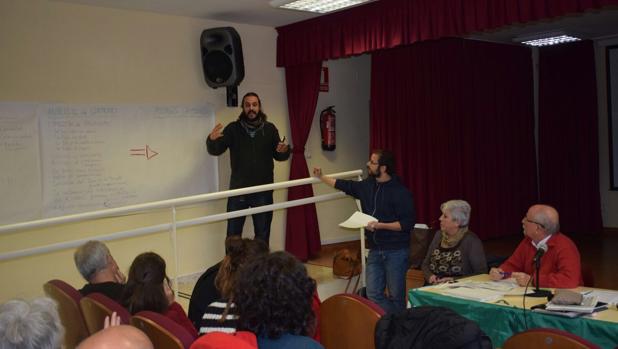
(316,6)
(547,40)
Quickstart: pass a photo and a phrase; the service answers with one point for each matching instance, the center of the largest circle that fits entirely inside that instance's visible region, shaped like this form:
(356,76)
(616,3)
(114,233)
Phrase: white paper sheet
(357,220)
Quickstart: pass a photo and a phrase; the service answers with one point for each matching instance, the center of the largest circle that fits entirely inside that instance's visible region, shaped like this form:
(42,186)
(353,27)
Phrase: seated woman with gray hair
(455,251)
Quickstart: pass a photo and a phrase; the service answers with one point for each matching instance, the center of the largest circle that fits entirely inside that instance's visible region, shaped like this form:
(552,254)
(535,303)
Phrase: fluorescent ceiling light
(551,40)
(316,6)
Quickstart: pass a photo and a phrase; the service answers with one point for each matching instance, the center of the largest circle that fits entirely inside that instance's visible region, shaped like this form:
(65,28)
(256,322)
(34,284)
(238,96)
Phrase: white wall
(60,52)
(609,198)
(349,93)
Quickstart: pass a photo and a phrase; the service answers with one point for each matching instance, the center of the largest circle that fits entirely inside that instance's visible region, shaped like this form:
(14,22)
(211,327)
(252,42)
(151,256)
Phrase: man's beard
(375,174)
(259,117)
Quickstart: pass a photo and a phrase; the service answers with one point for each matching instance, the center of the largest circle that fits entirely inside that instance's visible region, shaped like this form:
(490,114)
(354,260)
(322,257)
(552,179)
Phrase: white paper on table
(357,220)
(606,296)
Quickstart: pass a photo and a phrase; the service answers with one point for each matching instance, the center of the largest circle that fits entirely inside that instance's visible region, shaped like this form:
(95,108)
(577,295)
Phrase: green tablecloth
(500,321)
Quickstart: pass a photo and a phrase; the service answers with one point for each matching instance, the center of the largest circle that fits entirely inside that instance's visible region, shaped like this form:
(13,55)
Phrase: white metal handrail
(173,203)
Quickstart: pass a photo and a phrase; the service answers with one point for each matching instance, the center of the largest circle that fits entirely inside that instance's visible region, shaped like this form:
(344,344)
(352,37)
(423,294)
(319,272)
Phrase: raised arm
(317,172)
(216,142)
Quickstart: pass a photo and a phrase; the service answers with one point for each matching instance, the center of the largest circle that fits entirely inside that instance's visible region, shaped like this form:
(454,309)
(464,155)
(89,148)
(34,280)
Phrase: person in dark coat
(428,328)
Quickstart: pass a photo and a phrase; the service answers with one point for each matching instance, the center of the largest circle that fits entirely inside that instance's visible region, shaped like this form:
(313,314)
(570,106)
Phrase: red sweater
(560,265)
(178,315)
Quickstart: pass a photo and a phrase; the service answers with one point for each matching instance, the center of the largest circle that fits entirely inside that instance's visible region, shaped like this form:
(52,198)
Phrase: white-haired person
(560,266)
(97,266)
(30,325)
(455,251)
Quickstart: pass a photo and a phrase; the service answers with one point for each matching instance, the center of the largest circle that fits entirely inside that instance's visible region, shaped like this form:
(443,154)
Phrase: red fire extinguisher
(327,128)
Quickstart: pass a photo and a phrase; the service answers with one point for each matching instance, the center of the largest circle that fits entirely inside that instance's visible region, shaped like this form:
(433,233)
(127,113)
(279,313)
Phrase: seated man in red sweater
(560,265)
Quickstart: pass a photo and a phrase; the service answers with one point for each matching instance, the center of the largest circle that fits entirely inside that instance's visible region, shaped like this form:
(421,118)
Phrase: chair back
(163,332)
(96,306)
(547,338)
(348,321)
(420,238)
(70,313)
(588,275)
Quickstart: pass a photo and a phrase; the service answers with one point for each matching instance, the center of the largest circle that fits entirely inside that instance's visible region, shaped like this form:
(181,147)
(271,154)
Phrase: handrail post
(362,242)
(173,237)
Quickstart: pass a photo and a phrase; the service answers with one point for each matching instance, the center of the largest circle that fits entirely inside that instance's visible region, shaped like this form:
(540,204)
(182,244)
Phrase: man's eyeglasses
(373,163)
(537,223)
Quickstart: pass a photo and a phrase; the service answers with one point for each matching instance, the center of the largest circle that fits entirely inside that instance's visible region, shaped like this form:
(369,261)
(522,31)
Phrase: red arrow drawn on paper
(147,152)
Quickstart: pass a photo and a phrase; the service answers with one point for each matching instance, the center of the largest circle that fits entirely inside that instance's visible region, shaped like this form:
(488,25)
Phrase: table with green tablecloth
(500,320)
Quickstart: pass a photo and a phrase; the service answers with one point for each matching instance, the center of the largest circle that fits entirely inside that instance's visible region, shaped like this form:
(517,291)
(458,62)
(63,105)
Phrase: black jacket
(251,158)
(204,293)
(429,328)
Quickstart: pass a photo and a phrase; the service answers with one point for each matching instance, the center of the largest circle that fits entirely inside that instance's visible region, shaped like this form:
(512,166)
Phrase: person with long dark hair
(148,288)
(253,143)
(221,316)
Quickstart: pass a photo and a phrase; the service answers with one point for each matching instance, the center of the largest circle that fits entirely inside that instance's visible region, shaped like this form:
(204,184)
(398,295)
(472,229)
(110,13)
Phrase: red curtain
(389,23)
(302,234)
(568,135)
(459,116)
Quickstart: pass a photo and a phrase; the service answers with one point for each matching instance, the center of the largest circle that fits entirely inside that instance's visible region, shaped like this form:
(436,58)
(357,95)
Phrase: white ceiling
(257,12)
(591,25)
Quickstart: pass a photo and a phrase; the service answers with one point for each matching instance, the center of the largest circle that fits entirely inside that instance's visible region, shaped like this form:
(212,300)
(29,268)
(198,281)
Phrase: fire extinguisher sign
(324,80)
(327,128)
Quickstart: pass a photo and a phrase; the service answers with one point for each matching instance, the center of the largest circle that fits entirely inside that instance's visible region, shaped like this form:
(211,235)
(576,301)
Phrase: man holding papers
(388,237)
(560,263)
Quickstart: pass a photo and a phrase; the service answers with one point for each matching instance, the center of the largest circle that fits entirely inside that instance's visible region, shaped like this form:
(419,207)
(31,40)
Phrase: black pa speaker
(222,57)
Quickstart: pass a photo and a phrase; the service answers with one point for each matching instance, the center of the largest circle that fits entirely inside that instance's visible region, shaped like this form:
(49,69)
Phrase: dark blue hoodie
(387,201)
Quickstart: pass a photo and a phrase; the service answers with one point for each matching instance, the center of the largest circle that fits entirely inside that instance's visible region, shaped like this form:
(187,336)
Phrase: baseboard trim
(348,238)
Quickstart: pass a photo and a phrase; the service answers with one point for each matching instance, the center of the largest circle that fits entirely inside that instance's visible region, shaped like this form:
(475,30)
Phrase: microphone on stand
(540,251)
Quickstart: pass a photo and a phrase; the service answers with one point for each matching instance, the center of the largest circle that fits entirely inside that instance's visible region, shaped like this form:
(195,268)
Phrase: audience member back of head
(30,325)
(220,316)
(117,337)
(273,299)
(97,266)
(148,288)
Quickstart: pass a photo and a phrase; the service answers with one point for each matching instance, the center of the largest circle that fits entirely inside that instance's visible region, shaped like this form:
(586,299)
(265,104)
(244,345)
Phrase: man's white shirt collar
(542,242)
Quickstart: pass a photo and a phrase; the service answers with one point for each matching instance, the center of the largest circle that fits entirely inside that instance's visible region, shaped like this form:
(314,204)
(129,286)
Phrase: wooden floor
(599,253)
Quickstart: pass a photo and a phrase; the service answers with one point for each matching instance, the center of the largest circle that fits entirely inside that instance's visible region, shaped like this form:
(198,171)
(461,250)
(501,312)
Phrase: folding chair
(68,298)
(347,321)
(96,306)
(162,331)
(547,338)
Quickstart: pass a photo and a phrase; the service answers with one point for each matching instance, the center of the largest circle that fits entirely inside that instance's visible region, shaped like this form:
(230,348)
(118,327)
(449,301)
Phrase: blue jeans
(387,268)
(261,221)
